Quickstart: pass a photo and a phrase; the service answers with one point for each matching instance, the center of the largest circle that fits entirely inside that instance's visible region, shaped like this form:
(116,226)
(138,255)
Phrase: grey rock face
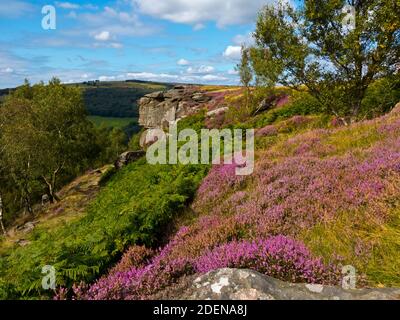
(217,111)
(149,136)
(128,157)
(235,284)
(27,227)
(155,95)
(199,97)
(45,199)
(159,109)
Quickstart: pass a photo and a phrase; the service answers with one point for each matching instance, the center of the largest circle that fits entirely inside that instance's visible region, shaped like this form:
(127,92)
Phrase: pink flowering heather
(298,120)
(282,101)
(256,222)
(308,185)
(267,131)
(280,257)
(221,179)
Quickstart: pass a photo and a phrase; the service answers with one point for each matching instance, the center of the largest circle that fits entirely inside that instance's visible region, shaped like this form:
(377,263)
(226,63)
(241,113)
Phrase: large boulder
(201,97)
(149,136)
(237,284)
(152,113)
(159,109)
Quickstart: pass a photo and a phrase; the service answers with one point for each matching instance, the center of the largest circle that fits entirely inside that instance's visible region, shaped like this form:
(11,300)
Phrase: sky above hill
(194,41)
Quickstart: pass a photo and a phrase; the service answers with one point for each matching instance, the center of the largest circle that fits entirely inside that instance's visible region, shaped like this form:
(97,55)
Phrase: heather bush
(280,257)
(135,257)
(288,106)
(270,130)
(332,190)
(294,125)
(221,180)
(313,179)
(215,121)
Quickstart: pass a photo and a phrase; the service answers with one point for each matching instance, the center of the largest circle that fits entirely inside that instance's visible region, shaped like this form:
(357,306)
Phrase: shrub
(135,207)
(380,97)
(299,104)
(267,131)
(312,179)
(134,142)
(278,256)
(106,176)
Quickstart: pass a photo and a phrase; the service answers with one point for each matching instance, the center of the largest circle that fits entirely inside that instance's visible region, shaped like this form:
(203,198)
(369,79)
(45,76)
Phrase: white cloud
(200,70)
(184,78)
(90,6)
(182,62)
(107,78)
(246,40)
(72,15)
(227,12)
(8,59)
(102,36)
(15,8)
(105,44)
(67,5)
(213,77)
(233,52)
(116,45)
(153,76)
(206,69)
(117,22)
(8,70)
(74,6)
(198,26)
(233,72)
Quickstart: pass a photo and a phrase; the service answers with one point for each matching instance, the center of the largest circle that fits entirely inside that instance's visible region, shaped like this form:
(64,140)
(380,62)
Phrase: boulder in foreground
(237,284)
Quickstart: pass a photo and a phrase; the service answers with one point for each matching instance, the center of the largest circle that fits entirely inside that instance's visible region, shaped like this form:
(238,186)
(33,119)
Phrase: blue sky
(194,41)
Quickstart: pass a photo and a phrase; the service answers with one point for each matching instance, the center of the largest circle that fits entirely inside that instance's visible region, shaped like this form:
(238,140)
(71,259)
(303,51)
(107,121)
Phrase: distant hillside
(117,99)
(4,92)
(113,99)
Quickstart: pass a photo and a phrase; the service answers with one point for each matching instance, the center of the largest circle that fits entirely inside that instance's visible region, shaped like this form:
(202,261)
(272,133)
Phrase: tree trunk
(52,194)
(28,204)
(50,191)
(356,109)
(2,227)
(51,186)
(1,216)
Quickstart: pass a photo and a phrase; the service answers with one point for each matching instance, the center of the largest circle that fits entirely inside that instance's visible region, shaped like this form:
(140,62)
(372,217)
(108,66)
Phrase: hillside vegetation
(136,206)
(324,194)
(117,99)
(119,123)
(319,198)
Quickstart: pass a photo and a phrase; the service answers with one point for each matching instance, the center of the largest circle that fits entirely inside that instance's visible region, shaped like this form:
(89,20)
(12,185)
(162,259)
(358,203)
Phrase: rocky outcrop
(159,109)
(74,199)
(128,157)
(235,284)
(27,227)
